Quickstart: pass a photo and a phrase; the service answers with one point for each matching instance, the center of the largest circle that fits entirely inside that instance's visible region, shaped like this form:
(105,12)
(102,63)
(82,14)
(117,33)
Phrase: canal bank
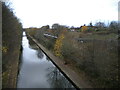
(9,77)
(67,70)
(37,70)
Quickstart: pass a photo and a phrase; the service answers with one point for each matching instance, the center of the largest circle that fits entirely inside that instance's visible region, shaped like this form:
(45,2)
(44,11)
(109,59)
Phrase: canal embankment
(68,70)
(37,70)
(11,44)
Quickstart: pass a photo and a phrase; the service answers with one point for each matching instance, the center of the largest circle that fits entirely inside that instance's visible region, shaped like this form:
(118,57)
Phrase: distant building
(74,29)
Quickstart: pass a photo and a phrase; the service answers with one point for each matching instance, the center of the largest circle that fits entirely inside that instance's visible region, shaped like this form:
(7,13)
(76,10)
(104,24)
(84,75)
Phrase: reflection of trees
(47,58)
(57,80)
(40,54)
(31,41)
(32,44)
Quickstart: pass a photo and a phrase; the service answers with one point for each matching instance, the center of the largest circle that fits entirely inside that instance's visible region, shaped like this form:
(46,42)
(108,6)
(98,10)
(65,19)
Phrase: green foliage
(11,38)
(114,27)
(31,31)
(39,35)
(58,29)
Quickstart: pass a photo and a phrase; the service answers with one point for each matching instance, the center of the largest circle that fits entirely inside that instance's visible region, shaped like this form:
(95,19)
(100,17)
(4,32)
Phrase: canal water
(37,71)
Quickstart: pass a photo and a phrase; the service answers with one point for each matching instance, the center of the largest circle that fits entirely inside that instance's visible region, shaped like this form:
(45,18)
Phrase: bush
(68,51)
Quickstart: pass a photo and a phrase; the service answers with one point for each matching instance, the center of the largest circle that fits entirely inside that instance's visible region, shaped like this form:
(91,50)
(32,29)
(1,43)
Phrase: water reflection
(37,71)
(57,80)
(47,58)
(40,54)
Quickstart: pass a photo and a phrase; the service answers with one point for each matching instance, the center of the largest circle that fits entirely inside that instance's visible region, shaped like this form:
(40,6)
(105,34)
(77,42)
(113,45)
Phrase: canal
(37,71)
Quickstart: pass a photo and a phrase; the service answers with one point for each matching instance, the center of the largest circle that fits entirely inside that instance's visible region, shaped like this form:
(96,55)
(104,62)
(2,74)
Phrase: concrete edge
(70,74)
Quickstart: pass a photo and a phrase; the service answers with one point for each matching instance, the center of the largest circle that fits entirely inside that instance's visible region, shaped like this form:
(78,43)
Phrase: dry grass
(97,58)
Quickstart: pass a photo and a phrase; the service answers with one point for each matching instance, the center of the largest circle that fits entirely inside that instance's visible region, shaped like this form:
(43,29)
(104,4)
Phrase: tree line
(11,43)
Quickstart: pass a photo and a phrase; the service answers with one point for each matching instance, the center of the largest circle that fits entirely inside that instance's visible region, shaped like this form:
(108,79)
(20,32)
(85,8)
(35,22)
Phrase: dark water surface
(37,71)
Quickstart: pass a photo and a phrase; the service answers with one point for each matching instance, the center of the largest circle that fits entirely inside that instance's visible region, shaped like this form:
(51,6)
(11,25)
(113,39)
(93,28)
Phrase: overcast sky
(36,13)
